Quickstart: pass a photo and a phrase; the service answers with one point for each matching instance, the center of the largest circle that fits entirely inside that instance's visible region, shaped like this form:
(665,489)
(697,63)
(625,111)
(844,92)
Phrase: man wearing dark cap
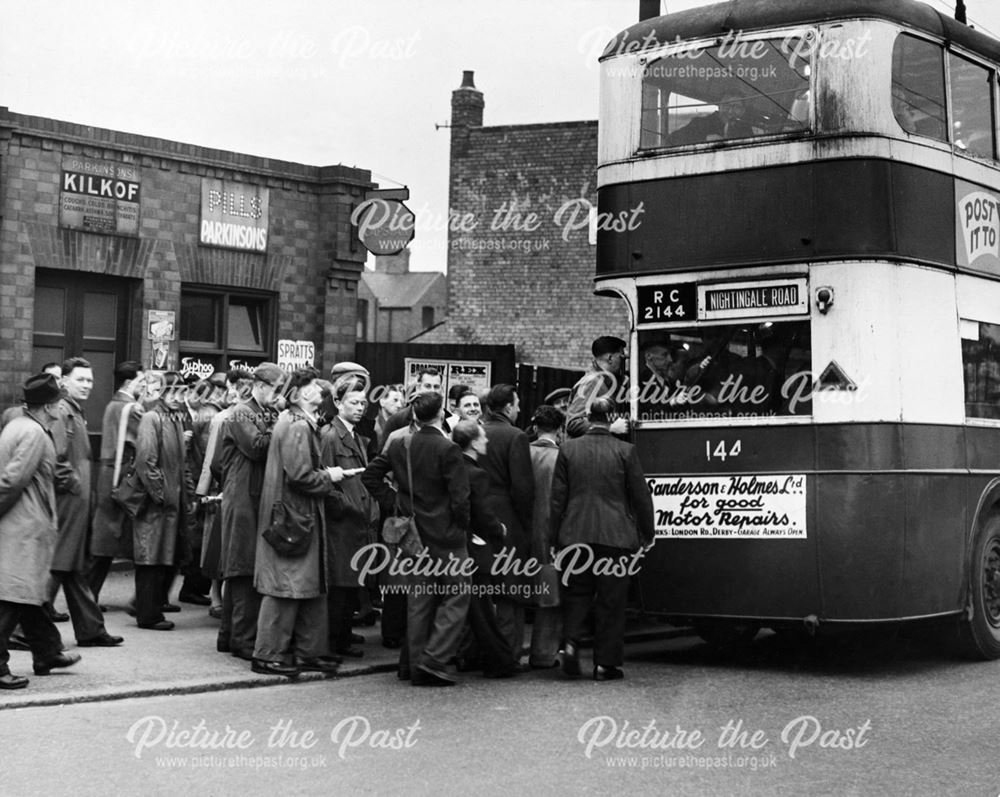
(246,437)
(559,398)
(28,530)
(605,379)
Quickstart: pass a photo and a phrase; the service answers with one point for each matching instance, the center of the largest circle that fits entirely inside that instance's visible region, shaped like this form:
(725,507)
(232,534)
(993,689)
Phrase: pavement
(184,660)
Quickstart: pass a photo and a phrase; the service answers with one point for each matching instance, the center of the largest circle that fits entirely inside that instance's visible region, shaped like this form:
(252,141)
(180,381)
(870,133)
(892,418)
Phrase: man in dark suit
(512,498)
(437,604)
(600,502)
(485,644)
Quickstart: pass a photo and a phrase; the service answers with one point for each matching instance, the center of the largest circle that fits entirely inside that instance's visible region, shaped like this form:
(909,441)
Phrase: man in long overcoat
(512,494)
(70,564)
(28,530)
(348,514)
(246,437)
(162,467)
(545,631)
(292,627)
(111,535)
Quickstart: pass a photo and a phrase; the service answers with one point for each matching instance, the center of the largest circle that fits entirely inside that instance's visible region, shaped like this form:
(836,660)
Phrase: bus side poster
(977,228)
(729,507)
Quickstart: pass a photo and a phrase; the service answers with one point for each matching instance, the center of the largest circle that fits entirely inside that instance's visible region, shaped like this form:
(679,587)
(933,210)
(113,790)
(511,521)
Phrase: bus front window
(918,87)
(733,371)
(734,91)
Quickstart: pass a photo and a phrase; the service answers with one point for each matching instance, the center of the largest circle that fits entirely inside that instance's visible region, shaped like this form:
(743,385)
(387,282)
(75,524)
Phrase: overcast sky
(358,82)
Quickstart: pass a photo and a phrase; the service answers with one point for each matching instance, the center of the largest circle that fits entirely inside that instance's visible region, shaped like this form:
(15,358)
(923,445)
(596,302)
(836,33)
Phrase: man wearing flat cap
(29,529)
(246,437)
(559,398)
(605,379)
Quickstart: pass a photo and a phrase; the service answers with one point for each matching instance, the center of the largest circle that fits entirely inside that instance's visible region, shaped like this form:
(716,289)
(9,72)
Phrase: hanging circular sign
(385,226)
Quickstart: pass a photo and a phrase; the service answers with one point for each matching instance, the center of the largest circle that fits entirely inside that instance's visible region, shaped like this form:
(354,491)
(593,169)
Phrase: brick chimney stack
(467,105)
(393,264)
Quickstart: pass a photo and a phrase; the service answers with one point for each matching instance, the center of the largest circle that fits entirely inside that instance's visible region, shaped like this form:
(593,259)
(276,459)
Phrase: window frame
(994,76)
(686,47)
(220,350)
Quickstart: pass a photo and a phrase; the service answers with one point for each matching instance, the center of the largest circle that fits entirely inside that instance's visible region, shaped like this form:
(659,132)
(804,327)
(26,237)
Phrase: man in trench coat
(246,438)
(70,563)
(28,530)
(161,464)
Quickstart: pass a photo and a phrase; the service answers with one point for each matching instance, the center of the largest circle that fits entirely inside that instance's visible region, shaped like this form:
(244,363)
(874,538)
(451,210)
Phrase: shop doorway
(86,315)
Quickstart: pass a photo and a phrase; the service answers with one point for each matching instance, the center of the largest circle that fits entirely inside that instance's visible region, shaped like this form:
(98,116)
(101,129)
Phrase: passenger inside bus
(733,371)
(728,122)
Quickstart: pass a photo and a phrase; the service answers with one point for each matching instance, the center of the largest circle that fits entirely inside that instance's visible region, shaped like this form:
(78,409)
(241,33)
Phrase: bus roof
(748,15)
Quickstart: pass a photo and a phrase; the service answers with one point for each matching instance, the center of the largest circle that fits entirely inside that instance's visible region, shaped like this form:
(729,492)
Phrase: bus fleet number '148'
(721,451)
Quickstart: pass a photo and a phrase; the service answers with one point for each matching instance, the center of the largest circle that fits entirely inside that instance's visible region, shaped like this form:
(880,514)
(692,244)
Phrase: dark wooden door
(85,315)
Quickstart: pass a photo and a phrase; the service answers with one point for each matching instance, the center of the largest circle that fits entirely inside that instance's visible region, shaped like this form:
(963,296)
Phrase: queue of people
(266,489)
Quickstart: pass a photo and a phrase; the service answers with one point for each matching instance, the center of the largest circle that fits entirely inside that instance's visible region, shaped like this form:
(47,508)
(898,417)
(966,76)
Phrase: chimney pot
(467,81)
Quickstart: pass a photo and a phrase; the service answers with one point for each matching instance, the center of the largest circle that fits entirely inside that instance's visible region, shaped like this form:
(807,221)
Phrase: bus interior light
(824,299)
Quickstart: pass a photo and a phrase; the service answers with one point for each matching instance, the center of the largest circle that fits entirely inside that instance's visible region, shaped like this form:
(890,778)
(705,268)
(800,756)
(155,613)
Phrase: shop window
(918,87)
(200,319)
(981,366)
(722,93)
(221,329)
(971,107)
(733,371)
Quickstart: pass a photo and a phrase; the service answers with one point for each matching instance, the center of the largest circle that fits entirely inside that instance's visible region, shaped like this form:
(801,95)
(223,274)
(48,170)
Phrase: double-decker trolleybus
(799,201)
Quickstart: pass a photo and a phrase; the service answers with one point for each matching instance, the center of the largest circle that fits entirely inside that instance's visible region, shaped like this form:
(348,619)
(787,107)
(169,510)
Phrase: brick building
(520,257)
(396,304)
(116,246)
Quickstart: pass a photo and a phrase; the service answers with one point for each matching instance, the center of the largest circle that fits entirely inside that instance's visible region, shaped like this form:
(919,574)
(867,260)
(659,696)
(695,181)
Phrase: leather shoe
(17,642)
(425,675)
(357,639)
(391,642)
(9,681)
(274,668)
(59,660)
(162,625)
(368,619)
(571,661)
(58,617)
(195,598)
(215,612)
(608,673)
(105,640)
(318,664)
(351,653)
(222,645)
(170,607)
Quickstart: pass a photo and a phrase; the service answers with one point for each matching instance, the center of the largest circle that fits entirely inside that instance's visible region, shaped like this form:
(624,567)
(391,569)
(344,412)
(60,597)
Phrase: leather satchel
(399,529)
(130,493)
(290,531)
